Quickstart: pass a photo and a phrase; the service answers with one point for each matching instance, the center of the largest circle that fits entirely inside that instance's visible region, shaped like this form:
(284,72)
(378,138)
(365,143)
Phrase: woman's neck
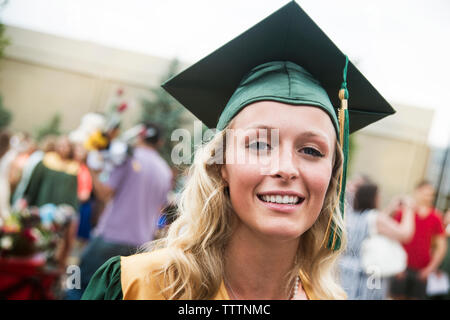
(256,267)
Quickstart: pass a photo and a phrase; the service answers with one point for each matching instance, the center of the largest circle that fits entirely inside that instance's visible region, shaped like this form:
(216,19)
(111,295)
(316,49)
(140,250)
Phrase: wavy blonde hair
(197,238)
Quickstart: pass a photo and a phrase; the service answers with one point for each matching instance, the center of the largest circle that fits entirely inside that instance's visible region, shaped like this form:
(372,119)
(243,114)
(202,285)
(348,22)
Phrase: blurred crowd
(107,193)
(116,187)
(399,252)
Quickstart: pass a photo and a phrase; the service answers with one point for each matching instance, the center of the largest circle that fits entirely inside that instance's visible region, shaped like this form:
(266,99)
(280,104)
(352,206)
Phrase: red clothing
(419,247)
(84,180)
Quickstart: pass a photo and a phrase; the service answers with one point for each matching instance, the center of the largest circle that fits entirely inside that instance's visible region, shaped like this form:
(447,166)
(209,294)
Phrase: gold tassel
(341,119)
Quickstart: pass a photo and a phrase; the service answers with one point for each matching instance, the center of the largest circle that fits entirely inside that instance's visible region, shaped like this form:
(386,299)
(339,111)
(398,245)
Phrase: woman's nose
(285,166)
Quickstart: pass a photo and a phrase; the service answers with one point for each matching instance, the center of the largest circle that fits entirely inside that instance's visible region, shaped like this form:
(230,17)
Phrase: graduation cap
(298,64)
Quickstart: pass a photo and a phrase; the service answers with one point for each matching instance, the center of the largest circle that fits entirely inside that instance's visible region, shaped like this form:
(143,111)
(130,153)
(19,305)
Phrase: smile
(281,199)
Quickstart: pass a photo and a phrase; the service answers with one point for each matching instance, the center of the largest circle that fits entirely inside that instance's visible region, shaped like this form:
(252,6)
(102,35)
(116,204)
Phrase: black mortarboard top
(288,34)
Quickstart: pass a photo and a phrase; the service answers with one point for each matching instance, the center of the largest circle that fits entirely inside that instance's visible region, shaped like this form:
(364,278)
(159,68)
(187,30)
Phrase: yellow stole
(53,161)
(137,285)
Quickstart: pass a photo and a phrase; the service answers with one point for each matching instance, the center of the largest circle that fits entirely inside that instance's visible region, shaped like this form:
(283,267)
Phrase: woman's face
(63,147)
(278,185)
(79,152)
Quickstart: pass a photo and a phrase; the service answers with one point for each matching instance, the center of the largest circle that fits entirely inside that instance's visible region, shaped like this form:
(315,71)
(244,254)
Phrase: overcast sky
(402,47)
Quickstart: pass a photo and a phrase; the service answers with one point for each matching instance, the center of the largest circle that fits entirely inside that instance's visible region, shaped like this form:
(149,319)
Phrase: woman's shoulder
(138,279)
(127,277)
(140,263)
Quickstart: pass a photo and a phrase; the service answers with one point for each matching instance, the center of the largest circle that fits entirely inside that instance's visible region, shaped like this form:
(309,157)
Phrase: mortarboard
(298,65)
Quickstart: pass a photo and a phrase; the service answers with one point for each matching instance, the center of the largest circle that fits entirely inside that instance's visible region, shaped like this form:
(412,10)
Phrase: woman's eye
(312,152)
(259,145)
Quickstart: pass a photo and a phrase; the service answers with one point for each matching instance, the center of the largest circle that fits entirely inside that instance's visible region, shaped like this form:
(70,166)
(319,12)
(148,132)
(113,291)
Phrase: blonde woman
(259,217)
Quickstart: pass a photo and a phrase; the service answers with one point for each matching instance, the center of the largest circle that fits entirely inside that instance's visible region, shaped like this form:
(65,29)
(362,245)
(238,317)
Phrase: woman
(355,280)
(5,164)
(54,181)
(84,189)
(261,198)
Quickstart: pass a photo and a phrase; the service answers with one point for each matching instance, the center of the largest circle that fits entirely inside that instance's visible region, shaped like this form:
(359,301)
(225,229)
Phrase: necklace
(294,290)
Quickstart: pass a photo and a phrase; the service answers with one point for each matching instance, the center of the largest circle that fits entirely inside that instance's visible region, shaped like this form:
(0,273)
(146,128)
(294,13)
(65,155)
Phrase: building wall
(394,152)
(395,165)
(42,75)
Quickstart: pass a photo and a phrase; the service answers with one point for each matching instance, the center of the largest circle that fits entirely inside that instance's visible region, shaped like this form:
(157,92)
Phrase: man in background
(425,250)
(135,193)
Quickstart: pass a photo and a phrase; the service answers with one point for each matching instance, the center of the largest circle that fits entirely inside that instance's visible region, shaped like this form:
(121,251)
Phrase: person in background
(444,268)
(25,147)
(11,164)
(4,175)
(54,181)
(366,200)
(353,185)
(84,194)
(47,145)
(135,193)
(423,259)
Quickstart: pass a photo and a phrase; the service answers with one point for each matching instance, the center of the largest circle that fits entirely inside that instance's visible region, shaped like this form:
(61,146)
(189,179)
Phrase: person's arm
(15,174)
(402,231)
(438,251)
(447,222)
(102,191)
(437,256)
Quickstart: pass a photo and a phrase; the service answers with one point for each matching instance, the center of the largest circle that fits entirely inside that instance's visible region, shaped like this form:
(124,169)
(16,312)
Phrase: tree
(52,127)
(5,115)
(165,111)
(4,41)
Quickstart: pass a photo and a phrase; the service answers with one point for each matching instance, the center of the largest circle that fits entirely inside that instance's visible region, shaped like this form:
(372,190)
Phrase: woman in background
(4,175)
(54,181)
(353,277)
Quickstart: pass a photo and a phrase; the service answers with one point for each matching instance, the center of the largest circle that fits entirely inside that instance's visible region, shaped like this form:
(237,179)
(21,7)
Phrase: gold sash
(136,284)
(53,161)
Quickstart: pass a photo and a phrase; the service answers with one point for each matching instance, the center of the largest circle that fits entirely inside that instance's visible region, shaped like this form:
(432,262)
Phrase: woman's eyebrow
(304,134)
(260,126)
(311,133)
(315,134)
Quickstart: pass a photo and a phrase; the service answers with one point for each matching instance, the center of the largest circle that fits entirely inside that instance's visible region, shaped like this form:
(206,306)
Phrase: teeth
(280,199)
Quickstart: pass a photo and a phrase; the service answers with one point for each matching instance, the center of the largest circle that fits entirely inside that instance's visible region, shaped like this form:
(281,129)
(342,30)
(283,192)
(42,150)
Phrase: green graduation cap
(285,58)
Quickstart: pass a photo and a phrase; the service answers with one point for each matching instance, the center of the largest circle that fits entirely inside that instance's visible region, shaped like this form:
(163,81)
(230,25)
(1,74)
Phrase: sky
(402,47)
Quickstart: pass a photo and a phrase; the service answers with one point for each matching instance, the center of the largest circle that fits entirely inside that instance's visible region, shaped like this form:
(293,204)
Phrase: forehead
(287,118)
(426,188)
(62,141)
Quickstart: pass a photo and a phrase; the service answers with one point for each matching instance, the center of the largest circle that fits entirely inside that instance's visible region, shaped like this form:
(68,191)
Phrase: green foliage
(4,41)
(165,111)
(52,127)
(5,115)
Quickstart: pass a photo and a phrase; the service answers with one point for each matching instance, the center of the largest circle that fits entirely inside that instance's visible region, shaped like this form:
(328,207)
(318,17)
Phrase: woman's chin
(282,233)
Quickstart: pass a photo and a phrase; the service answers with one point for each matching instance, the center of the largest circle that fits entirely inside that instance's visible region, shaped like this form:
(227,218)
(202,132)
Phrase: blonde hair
(196,239)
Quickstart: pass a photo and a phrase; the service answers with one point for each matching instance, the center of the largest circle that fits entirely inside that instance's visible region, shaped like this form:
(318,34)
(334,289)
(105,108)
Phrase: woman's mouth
(279,202)
(281,199)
